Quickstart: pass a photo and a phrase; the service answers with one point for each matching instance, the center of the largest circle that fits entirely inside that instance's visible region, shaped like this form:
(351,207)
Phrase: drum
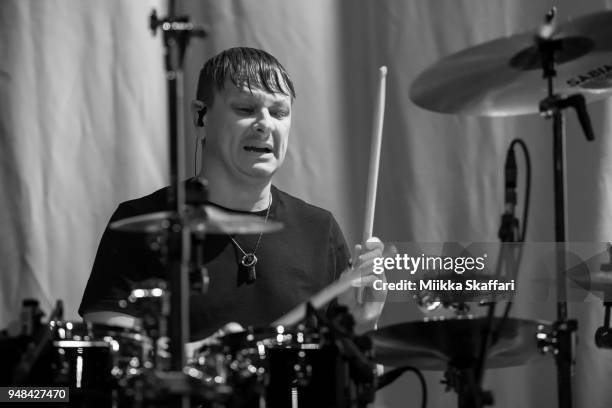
(275,368)
(95,361)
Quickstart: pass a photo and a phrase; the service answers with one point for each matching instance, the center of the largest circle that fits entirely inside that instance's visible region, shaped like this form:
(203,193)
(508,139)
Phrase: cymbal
(206,219)
(434,344)
(503,77)
(596,281)
(594,274)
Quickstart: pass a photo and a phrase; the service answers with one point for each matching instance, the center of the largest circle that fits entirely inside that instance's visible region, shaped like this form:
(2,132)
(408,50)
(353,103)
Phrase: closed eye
(280,114)
(244,110)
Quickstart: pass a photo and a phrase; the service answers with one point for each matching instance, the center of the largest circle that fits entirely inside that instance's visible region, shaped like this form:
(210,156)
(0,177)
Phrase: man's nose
(263,124)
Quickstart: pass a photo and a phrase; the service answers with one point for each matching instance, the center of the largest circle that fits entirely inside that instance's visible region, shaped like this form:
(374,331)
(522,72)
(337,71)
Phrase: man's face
(247,132)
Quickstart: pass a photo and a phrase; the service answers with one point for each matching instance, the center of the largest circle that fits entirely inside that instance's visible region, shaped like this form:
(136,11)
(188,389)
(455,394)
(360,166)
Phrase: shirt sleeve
(122,260)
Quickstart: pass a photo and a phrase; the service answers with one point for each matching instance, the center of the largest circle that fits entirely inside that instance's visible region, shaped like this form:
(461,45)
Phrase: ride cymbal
(503,77)
(436,344)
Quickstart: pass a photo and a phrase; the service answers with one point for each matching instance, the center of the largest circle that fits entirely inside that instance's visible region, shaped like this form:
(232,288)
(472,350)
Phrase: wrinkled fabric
(82,126)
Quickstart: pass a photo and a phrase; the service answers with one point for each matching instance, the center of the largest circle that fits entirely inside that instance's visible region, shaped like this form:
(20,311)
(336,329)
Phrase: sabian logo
(596,73)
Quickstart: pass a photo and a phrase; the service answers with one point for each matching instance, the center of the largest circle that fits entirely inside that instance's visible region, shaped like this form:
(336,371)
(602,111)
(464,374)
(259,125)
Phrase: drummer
(242,114)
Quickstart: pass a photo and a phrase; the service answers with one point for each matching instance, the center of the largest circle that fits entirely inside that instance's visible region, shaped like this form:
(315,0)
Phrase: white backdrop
(82,128)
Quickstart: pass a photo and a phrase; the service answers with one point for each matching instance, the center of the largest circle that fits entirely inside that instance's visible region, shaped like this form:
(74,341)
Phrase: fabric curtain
(83,127)
(441,176)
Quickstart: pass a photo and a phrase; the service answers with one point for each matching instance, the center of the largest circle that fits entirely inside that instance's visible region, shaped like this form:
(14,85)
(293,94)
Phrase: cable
(388,378)
(195,158)
(527,185)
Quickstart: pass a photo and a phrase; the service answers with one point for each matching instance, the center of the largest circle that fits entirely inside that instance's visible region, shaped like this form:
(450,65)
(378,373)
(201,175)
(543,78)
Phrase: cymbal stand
(177,30)
(462,379)
(469,390)
(552,107)
(603,334)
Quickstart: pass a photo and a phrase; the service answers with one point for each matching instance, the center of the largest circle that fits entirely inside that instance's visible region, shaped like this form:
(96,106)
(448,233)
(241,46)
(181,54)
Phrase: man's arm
(130,322)
(113,319)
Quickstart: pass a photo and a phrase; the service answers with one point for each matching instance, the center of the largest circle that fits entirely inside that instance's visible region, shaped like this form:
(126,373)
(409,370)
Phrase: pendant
(249,261)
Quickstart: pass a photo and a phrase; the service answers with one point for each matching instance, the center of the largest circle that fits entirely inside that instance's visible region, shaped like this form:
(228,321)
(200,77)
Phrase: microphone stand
(177,30)
(552,107)
(508,233)
(603,334)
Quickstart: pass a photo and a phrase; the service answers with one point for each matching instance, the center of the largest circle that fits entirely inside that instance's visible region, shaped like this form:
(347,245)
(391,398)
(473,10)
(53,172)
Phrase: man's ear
(198,110)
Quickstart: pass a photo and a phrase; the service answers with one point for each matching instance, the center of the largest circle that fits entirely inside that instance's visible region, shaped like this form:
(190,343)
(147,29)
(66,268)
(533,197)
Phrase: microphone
(510,172)
(508,230)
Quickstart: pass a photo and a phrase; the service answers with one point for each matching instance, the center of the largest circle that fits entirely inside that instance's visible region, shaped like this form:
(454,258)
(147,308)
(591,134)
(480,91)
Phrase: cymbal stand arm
(177,30)
(552,107)
(603,335)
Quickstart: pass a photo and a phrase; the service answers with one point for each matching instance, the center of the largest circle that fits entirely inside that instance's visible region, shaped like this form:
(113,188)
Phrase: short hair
(241,65)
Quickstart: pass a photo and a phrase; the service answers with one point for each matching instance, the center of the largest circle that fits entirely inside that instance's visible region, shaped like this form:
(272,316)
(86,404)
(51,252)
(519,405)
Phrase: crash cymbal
(434,344)
(503,77)
(596,281)
(594,273)
(205,219)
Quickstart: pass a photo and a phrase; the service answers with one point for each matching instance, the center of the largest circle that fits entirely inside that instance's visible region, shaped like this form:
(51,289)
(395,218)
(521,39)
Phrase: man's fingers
(228,328)
(369,256)
(232,327)
(390,250)
(373,243)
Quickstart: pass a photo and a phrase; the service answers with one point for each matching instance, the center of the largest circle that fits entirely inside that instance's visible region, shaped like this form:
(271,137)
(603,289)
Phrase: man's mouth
(257,149)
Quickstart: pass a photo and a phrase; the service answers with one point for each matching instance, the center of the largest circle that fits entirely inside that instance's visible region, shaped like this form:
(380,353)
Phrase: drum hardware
(552,107)
(603,334)
(427,345)
(31,317)
(500,78)
(176,31)
(315,363)
(154,387)
(38,344)
(464,382)
(357,350)
(151,301)
(548,339)
(600,280)
(95,361)
(454,345)
(197,197)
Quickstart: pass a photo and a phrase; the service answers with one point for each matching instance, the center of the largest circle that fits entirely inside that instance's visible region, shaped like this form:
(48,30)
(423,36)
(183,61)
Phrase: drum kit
(308,359)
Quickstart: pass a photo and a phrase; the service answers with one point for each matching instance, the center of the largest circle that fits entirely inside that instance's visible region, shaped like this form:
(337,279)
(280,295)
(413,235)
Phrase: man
(243,116)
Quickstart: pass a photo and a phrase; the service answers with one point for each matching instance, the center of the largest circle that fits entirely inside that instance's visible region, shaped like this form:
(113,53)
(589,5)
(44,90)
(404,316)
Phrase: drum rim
(97,331)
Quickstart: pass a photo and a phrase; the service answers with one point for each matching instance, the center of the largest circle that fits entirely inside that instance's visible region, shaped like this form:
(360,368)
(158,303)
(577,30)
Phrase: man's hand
(365,303)
(192,348)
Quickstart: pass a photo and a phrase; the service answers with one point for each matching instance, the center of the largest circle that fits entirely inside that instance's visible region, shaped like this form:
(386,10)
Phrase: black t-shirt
(293,264)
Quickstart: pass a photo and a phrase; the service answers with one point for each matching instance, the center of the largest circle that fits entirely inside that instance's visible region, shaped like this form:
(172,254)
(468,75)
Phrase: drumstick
(355,277)
(328,293)
(377,128)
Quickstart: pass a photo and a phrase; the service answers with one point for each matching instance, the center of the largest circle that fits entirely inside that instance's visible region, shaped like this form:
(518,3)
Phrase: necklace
(249,260)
